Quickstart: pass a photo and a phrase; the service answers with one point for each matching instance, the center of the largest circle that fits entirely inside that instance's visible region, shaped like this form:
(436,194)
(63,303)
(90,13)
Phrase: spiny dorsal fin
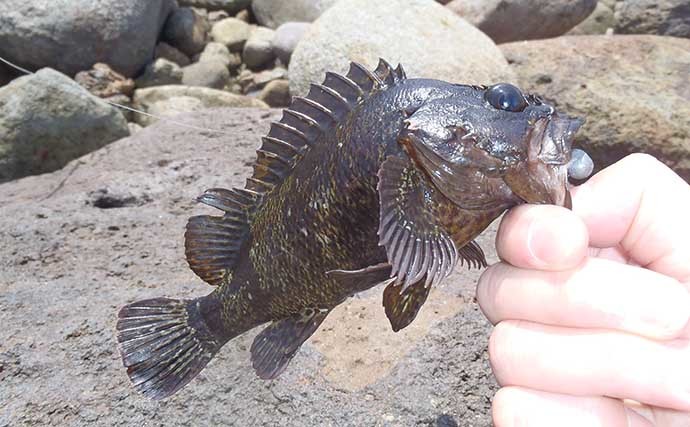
(309,117)
(212,243)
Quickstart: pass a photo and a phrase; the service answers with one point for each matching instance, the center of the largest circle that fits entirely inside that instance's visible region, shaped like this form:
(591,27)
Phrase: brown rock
(103,82)
(171,53)
(664,17)
(632,90)
(276,93)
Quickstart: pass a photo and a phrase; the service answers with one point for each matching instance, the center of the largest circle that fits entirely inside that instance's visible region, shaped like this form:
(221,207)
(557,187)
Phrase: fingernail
(556,241)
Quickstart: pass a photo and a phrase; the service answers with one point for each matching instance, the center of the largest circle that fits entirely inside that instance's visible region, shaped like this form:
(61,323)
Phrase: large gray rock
(436,43)
(229,6)
(258,51)
(174,100)
(632,90)
(664,17)
(187,30)
(126,208)
(286,38)
(47,119)
(72,35)
(273,13)
(512,20)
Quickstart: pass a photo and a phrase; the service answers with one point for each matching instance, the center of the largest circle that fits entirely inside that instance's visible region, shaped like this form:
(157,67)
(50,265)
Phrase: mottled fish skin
(377,197)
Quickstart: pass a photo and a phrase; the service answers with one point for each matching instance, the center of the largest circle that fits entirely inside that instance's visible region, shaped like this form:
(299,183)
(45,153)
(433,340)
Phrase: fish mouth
(543,178)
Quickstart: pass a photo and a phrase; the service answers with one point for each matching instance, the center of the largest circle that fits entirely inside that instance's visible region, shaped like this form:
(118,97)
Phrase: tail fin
(164,344)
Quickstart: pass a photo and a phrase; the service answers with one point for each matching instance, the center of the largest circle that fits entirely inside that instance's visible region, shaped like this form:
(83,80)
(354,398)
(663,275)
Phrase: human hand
(592,305)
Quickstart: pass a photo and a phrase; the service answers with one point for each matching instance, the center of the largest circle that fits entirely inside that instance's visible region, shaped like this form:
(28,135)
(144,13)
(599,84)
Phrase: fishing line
(124,107)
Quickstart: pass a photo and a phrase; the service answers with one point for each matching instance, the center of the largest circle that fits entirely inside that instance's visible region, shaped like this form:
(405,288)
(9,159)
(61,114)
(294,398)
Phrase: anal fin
(276,345)
(403,304)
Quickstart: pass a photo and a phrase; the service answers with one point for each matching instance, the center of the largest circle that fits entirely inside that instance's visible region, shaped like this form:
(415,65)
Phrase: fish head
(494,146)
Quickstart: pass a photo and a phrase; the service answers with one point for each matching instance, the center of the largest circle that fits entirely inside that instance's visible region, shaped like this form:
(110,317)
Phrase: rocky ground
(102,225)
(106,230)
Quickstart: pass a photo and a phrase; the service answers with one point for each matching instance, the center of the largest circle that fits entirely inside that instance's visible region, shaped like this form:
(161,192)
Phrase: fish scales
(372,179)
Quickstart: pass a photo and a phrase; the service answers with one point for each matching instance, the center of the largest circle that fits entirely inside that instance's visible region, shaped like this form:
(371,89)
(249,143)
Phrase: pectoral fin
(416,244)
(276,345)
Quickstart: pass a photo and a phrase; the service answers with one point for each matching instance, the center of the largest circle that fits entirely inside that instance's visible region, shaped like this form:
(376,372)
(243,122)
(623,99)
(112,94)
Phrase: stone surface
(213,74)
(273,13)
(229,6)
(126,208)
(258,51)
(286,38)
(160,72)
(276,93)
(187,30)
(598,22)
(251,82)
(231,32)
(511,20)
(220,53)
(437,43)
(171,53)
(72,35)
(664,17)
(103,82)
(632,90)
(174,100)
(47,119)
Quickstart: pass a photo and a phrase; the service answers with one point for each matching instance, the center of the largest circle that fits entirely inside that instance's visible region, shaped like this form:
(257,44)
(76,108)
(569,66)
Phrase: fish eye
(505,96)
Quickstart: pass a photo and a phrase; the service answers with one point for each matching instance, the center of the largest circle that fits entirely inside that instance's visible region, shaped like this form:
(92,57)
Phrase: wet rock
(258,50)
(187,30)
(171,53)
(160,72)
(80,33)
(273,13)
(172,100)
(632,90)
(213,74)
(437,43)
(110,198)
(229,6)
(231,32)
(103,82)
(664,17)
(286,38)
(598,22)
(512,20)
(220,53)
(47,119)
(276,93)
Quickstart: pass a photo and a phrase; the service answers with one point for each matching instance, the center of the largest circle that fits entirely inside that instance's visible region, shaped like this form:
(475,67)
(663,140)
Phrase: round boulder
(631,90)
(273,13)
(436,44)
(258,51)
(512,20)
(186,30)
(286,38)
(72,35)
(47,119)
(231,32)
(664,17)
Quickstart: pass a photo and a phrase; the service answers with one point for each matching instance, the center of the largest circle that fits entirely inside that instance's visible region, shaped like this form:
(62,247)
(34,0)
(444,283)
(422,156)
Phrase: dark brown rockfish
(372,178)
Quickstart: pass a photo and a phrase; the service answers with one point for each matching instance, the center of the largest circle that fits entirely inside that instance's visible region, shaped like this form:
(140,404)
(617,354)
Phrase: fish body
(373,178)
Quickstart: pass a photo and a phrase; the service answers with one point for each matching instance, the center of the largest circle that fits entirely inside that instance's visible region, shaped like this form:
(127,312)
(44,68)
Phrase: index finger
(643,206)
